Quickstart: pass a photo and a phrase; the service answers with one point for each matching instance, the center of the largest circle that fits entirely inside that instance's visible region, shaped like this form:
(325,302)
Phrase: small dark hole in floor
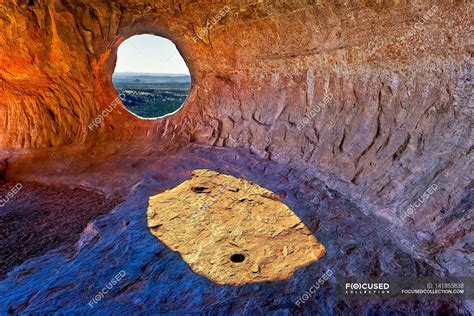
(237,258)
(201,190)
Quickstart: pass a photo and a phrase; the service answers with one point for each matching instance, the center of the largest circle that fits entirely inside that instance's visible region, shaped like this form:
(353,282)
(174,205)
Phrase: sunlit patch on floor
(232,230)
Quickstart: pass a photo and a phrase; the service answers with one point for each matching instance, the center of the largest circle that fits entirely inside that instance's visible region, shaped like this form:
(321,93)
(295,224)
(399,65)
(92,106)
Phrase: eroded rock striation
(398,119)
(157,280)
(373,97)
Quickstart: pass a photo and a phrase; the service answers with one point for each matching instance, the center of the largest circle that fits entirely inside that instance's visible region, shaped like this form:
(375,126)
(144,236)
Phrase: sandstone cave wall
(398,118)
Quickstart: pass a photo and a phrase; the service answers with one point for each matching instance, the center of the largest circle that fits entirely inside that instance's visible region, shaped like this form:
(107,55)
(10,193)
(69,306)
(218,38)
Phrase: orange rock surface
(398,121)
(231,230)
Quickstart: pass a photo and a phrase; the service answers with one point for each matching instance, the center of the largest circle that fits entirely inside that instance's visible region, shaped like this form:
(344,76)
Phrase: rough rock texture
(231,230)
(395,84)
(41,218)
(157,280)
(399,73)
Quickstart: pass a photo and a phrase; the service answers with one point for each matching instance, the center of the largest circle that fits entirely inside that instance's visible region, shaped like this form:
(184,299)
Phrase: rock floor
(41,218)
(157,280)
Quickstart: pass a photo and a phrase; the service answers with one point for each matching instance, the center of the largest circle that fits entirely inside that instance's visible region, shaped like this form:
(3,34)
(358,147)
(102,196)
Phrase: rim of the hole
(237,258)
(191,83)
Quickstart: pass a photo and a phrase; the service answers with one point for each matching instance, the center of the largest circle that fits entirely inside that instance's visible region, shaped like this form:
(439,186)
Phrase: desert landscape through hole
(322,148)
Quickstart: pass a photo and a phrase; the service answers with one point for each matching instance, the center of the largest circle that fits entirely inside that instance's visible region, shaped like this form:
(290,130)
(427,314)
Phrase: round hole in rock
(237,257)
(151,76)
